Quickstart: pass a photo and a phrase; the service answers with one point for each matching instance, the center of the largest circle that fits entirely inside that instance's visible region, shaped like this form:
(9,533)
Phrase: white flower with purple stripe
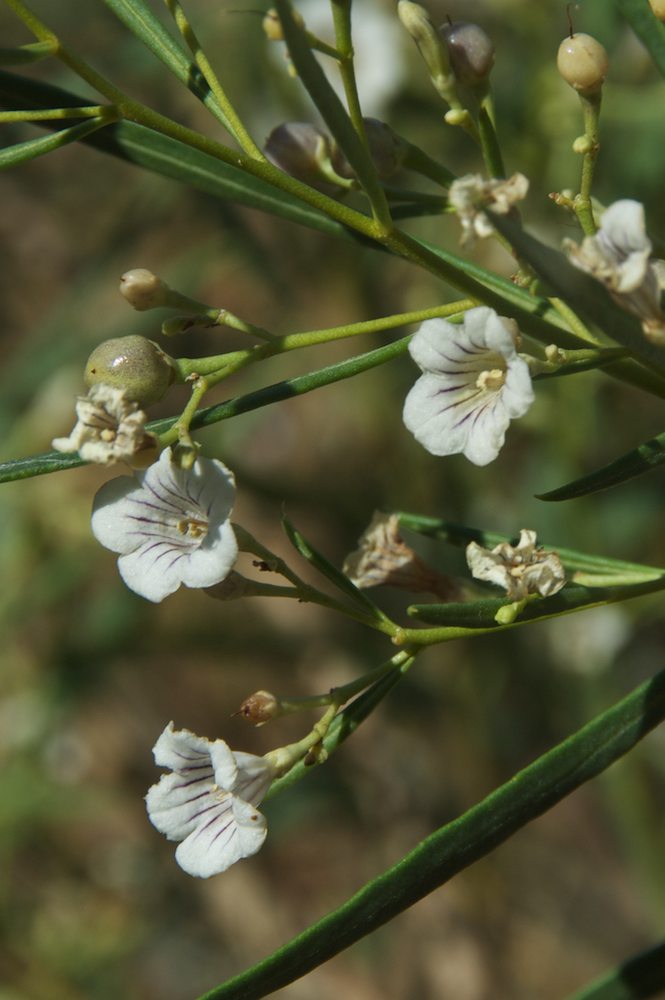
(208,801)
(473,384)
(170,525)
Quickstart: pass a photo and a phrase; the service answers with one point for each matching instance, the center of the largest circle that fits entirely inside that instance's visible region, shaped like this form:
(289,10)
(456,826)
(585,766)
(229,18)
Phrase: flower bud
(583,63)
(143,289)
(417,22)
(260,707)
(306,153)
(471,52)
(135,364)
(658,7)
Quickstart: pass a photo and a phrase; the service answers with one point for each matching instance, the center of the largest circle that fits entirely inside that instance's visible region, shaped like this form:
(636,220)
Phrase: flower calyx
(110,428)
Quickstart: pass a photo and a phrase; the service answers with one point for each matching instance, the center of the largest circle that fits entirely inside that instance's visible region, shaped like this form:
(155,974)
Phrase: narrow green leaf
(530,793)
(171,158)
(637,978)
(460,536)
(647,27)
(34,52)
(480,614)
(24,468)
(326,568)
(634,463)
(12,156)
(137,16)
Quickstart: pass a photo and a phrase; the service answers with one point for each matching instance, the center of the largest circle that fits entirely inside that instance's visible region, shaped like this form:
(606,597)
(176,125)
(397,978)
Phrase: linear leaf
(455,846)
(21,152)
(38,465)
(480,614)
(460,536)
(647,27)
(327,569)
(634,463)
(170,158)
(637,978)
(137,16)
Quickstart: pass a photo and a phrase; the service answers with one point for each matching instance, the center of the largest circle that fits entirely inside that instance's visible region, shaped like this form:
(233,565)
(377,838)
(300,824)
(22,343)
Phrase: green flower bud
(417,22)
(135,364)
(471,52)
(583,63)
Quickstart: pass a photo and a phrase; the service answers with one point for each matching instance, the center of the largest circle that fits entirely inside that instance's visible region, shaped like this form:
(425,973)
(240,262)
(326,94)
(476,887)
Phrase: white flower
(468,195)
(110,428)
(170,525)
(474,384)
(521,570)
(208,801)
(619,257)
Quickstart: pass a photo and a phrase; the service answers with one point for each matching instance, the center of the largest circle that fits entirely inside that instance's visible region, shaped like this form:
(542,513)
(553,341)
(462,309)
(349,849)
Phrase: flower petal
(235,830)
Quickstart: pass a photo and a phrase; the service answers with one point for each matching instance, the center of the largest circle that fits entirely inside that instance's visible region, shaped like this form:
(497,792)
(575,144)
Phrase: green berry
(135,364)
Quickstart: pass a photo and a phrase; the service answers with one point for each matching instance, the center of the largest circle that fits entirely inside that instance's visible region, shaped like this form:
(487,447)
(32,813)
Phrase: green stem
(347,721)
(239,131)
(295,341)
(341,12)
(134,111)
(457,845)
(582,203)
(247,543)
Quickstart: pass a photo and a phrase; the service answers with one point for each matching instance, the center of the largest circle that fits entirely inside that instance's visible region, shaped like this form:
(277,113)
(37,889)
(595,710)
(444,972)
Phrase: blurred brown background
(92,904)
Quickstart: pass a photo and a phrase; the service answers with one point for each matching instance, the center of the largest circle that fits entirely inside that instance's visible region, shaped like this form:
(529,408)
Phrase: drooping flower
(208,801)
(110,428)
(170,525)
(384,558)
(619,257)
(473,384)
(521,569)
(469,195)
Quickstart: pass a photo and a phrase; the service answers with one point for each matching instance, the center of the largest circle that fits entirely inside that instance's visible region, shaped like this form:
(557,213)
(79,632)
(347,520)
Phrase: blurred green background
(92,904)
